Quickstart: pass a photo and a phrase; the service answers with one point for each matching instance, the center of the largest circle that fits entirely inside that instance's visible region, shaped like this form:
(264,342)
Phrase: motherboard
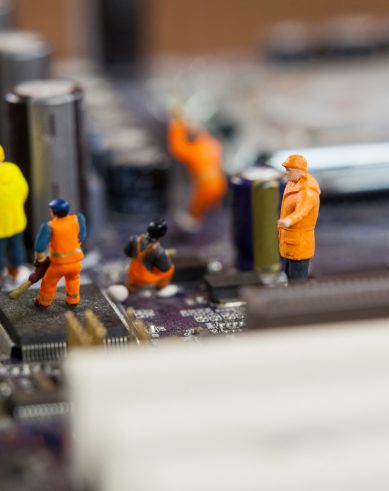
(131,180)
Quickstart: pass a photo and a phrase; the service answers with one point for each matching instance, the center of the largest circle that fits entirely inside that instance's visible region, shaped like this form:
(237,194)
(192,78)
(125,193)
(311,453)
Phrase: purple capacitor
(256,193)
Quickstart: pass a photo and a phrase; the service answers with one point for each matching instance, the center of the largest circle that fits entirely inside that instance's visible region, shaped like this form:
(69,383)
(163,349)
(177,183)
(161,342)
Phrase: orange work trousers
(207,193)
(139,275)
(54,273)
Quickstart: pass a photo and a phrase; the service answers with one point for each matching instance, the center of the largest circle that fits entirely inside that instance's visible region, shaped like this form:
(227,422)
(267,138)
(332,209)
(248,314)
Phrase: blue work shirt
(44,235)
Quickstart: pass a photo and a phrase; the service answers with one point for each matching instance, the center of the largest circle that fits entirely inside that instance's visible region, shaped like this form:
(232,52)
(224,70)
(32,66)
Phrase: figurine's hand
(39,258)
(284,222)
(176,108)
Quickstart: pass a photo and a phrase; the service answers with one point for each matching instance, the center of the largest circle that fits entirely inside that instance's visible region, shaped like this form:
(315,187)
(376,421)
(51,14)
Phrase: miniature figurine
(63,235)
(299,213)
(201,153)
(34,277)
(13,194)
(150,264)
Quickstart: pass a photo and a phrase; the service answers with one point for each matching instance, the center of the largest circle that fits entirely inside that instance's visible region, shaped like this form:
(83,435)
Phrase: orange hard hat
(296,162)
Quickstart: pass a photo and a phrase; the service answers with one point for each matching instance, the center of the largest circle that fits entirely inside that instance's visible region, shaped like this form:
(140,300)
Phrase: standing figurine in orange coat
(201,153)
(63,236)
(299,213)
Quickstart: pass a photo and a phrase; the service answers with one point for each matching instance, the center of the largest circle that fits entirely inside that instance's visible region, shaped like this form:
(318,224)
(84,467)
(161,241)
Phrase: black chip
(41,334)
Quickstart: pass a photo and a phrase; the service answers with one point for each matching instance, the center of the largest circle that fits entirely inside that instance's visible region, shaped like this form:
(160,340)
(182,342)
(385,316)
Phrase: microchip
(41,334)
(224,287)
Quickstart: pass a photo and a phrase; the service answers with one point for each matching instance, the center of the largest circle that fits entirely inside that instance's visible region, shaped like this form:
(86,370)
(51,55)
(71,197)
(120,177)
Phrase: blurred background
(172,25)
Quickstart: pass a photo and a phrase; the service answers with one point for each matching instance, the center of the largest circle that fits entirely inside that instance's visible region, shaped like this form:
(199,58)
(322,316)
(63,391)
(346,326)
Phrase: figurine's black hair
(157,228)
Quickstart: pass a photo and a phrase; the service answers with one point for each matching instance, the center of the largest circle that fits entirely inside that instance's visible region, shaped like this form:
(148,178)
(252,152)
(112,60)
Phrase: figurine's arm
(42,242)
(161,260)
(130,248)
(82,223)
(177,139)
(306,200)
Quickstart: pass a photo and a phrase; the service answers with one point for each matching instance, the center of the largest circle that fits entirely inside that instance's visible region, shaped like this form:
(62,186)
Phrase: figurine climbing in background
(63,236)
(299,213)
(13,194)
(201,153)
(150,264)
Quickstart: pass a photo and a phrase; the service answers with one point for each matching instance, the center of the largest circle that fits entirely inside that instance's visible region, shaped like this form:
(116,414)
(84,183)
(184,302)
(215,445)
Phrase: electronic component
(32,458)
(225,287)
(6,10)
(24,56)
(290,41)
(179,316)
(189,268)
(137,174)
(348,36)
(269,410)
(255,211)
(34,391)
(47,138)
(325,300)
(41,335)
(119,26)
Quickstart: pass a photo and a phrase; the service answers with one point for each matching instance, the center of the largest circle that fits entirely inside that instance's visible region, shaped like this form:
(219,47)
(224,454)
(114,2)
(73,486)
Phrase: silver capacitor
(6,11)
(47,142)
(24,55)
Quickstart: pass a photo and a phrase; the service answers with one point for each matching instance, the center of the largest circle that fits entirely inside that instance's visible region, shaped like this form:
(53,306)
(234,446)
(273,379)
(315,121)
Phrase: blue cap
(59,205)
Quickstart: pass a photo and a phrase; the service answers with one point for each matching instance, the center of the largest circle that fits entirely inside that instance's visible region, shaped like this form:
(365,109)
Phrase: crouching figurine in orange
(63,236)
(299,213)
(201,154)
(150,264)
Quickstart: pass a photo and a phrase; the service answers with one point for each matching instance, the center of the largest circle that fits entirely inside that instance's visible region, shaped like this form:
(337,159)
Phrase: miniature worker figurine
(13,194)
(299,213)
(150,264)
(63,236)
(201,153)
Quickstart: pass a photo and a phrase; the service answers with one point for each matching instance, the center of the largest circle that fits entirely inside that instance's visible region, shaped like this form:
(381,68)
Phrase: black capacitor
(24,55)
(6,11)
(47,141)
(120,26)
(137,178)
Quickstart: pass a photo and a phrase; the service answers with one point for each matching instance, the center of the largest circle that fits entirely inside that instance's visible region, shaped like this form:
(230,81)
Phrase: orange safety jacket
(65,244)
(300,203)
(137,271)
(202,156)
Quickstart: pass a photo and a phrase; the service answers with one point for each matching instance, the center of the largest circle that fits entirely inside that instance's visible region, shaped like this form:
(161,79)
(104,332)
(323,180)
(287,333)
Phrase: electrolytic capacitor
(138,175)
(47,142)
(6,10)
(255,210)
(24,56)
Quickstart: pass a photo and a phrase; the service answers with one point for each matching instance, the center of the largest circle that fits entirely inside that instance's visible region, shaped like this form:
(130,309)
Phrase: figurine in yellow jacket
(13,194)
(299,213)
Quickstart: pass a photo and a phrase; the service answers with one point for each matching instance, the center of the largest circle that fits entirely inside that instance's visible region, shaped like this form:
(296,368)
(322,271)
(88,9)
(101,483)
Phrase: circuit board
(34,405)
